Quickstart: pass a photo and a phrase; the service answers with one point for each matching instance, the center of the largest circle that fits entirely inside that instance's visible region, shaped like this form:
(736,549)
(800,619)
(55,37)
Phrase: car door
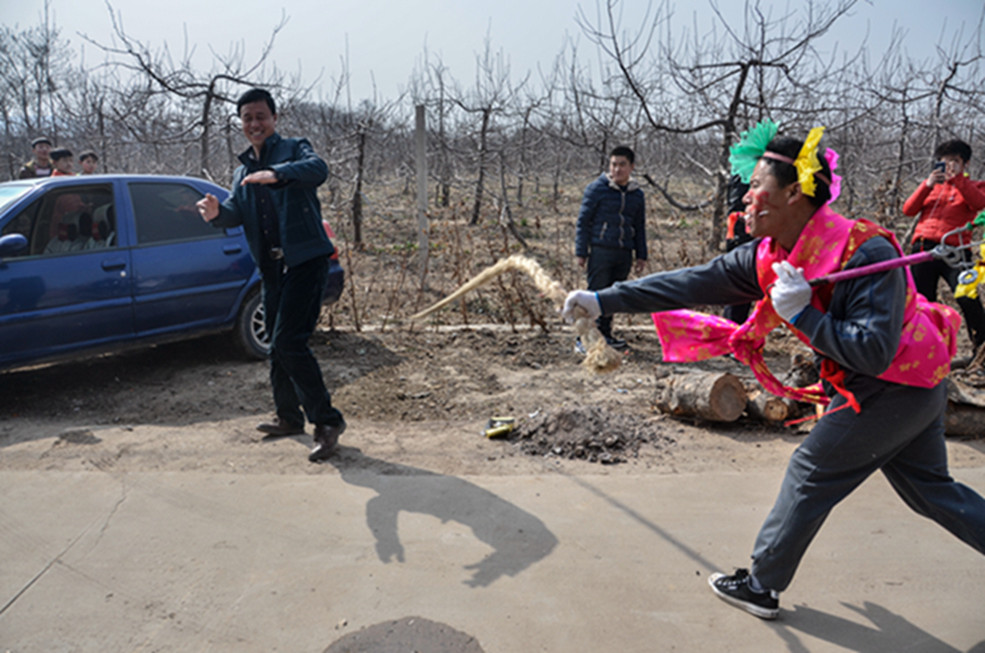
(187,274)
(69,290)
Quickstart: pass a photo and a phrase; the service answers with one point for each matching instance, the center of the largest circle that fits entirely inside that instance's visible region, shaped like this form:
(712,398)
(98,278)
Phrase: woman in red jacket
(947,199)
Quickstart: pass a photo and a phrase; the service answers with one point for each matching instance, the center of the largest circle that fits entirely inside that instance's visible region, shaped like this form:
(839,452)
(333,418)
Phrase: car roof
(54,181)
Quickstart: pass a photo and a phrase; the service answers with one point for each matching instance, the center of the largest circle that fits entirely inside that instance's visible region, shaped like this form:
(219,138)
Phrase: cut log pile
(722,397)
(716,397)
(965,416)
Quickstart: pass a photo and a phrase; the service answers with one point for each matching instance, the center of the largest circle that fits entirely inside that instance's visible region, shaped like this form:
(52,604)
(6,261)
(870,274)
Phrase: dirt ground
(416,401)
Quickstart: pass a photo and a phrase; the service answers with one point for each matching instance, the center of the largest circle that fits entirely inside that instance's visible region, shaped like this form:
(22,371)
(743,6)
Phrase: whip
(950,254)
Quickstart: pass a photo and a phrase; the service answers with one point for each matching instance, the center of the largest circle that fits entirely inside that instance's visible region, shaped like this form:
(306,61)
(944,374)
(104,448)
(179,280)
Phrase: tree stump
(716,397)
(965,415)
(768,407)
(963,420)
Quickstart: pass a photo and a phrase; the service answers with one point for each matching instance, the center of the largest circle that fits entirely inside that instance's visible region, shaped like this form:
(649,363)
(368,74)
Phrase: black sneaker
(735,590)
(617,343)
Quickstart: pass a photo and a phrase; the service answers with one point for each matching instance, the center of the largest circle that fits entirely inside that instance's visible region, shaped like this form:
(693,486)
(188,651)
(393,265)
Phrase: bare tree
(178,78)
(430,85)
(716,83)
(34,64)
(958,76)
(491,95)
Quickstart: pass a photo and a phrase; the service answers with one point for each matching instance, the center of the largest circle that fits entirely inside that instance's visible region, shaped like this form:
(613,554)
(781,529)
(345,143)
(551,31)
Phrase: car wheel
(251,331)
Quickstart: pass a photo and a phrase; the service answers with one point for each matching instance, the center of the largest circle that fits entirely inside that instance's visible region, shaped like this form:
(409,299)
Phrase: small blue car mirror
(12,244)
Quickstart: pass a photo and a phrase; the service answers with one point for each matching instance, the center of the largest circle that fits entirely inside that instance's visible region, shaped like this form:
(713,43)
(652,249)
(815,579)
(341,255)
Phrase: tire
(250,333)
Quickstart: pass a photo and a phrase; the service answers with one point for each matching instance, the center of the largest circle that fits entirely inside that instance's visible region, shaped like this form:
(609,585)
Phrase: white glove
(791,293)
(581,303)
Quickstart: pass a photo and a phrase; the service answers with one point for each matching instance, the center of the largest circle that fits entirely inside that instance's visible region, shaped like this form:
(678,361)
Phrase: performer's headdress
(744,155)
(751,147)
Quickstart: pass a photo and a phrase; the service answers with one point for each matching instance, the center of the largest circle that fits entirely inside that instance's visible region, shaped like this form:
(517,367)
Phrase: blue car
(94,264)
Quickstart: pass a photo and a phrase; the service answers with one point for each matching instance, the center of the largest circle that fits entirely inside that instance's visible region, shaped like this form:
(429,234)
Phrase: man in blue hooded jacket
(274,198)
(611,228)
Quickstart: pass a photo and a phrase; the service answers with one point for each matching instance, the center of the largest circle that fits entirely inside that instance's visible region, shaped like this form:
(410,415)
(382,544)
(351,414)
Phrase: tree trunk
(483,132)
(357,194)
(206,135)
(705,395)
(965,415)
(964,420)
(505,215)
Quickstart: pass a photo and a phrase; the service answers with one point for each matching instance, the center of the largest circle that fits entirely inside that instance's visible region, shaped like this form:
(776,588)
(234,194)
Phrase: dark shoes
(617,343)
(735,589)
(280,429)
(326,438)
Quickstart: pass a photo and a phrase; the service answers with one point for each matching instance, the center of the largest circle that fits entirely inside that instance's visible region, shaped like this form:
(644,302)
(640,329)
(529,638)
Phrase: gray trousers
(900,431)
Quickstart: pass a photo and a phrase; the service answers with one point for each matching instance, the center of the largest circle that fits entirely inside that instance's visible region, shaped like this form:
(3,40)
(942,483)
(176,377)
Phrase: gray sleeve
(861,330)
(726,279)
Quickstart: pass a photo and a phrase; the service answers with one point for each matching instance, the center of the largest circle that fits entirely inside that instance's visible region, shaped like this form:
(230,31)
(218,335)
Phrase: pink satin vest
(828,241)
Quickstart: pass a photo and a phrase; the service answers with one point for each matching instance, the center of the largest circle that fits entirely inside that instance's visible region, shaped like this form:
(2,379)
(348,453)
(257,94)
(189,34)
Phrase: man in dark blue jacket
(274,198)
(611,227)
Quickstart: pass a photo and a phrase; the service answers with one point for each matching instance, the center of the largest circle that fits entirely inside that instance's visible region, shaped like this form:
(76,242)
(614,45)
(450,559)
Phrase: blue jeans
(900,431)
(292,305)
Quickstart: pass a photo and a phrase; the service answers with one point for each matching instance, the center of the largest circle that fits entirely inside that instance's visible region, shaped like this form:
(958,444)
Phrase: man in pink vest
(883,352)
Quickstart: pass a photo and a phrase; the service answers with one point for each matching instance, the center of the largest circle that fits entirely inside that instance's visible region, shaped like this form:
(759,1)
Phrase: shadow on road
(888,632)
(518,539)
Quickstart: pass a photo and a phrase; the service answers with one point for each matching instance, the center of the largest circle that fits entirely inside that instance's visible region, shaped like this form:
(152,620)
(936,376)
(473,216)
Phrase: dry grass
(600,357)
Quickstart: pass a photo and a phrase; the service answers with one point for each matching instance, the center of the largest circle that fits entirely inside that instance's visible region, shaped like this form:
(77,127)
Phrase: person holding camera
(946,200)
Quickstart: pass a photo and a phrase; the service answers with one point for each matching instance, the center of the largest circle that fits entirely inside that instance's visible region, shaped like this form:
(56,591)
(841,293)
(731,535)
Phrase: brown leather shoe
(326,438)
(280,429)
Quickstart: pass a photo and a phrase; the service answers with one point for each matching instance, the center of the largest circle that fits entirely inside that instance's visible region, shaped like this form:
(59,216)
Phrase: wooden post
(420,155)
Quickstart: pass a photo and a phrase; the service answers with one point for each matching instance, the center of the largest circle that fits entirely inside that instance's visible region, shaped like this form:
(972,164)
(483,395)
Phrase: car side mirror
(12,244)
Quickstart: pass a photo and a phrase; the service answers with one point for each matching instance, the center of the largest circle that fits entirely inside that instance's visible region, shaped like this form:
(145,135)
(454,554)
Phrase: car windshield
(10,192)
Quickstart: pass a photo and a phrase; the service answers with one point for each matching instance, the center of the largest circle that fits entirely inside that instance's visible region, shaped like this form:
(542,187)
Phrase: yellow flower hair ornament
(807,163)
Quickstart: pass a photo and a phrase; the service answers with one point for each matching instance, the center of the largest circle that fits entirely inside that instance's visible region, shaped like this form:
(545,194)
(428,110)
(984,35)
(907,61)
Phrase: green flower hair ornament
(744,155)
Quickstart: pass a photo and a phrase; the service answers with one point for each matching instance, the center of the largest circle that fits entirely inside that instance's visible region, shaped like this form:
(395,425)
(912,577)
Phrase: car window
(10,192)
(67,220)
(166,212)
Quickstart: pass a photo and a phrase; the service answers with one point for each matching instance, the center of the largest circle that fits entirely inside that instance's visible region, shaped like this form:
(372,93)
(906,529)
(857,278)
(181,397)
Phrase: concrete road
(359,561)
